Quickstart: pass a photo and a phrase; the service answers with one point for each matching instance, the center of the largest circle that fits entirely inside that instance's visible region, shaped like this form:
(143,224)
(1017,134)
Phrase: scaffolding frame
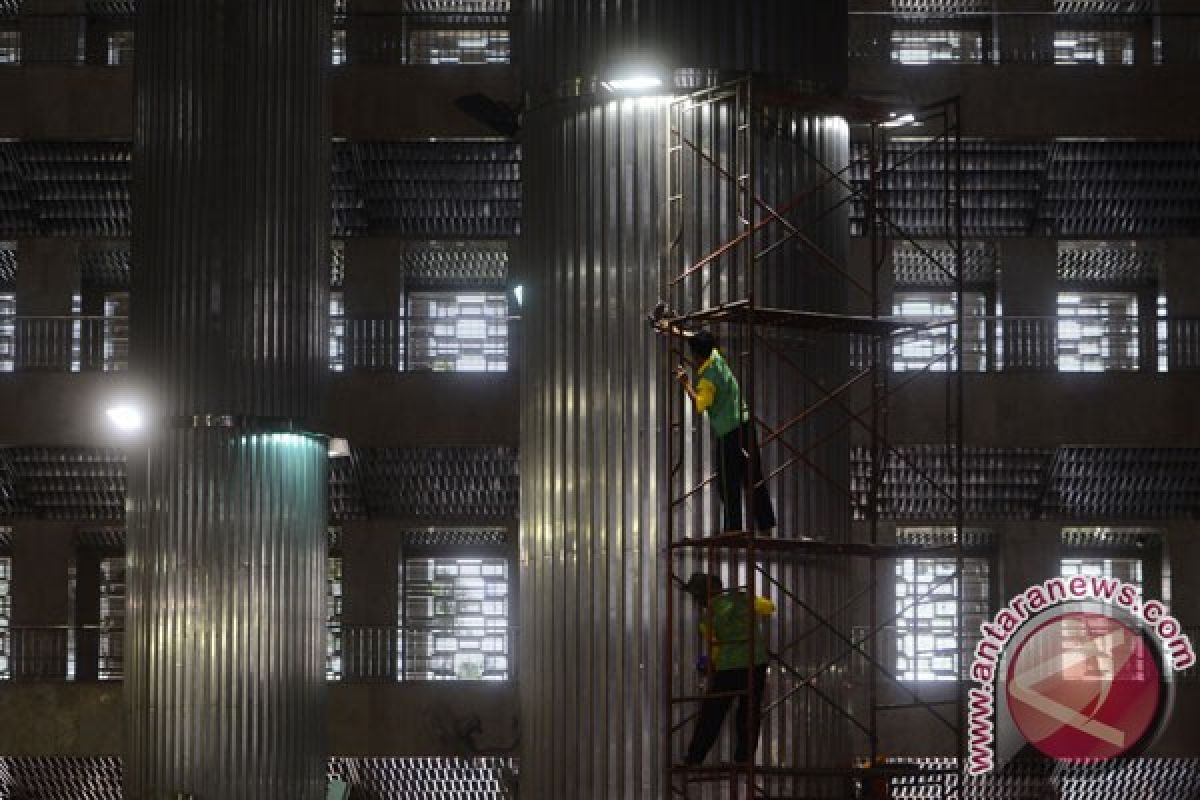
(743,313)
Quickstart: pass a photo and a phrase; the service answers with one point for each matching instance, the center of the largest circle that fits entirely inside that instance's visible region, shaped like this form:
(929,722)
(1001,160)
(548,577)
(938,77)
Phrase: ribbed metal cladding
(592,261)
(592,576)
(567,40)
(225,638)
(231,205)
(225,657)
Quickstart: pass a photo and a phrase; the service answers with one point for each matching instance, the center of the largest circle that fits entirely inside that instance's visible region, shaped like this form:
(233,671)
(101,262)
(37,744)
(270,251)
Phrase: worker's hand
(681,375)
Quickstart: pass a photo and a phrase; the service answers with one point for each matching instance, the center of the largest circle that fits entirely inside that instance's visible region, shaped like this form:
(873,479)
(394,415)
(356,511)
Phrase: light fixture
(126,417)
(641,82)
(339,447)
(898,120)
(519,295)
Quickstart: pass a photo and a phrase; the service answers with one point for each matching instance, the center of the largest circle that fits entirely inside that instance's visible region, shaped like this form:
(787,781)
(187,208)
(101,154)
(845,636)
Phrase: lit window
(1162,335)
(112,619)
(10,48)
(1097,331)
(459,47)
(1125,569)
(120,48)
(339,47)
(76,332)
(333,620)
(1094,666)
(458,331)
(455,619)
(337,332)
(916,47)
(932,348)
(8,331)
(116,331)
(1098,48)
(930,646)
(5,617)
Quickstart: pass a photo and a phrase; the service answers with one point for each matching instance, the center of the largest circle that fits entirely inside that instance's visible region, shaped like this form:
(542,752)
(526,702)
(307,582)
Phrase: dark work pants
(736,455)
(714,709)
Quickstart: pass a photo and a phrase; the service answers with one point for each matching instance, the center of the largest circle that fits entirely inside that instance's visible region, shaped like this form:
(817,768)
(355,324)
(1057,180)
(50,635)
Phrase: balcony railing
(1113,39)
(354,653)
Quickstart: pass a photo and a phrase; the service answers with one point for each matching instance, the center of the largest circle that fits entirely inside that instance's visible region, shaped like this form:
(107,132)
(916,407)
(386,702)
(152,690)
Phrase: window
(111,641)
(333,619)
(116,331)
(339,47)
(76,332)
(119,50)
(919,47)
(459,47)
(10,48)
(5,617)
(930,596)
(337,332)
(1127,569)
(1096,48)
(8,331)
(1162,335)
(455,618)
(458,331)
(1097,331)
(931,348)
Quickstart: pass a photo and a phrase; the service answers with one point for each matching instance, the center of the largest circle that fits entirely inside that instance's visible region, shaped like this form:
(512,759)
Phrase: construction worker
(718,395)
(725,627)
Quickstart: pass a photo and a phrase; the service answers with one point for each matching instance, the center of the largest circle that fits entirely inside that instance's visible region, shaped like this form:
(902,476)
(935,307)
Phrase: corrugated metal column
(594,577)
(225,645)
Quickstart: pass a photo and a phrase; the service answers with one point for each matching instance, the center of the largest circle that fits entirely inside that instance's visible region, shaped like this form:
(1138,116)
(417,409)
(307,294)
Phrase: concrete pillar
(1030,552)
(53,31)
(373,292)
(1025,31)
(1180,282)
(1028,289)
(41,562)
(47,277)
(370,571)
(225,667)
(87,612)
(1179,29)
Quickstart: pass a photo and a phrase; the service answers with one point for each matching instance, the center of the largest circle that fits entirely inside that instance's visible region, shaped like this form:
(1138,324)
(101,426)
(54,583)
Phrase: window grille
(923,47)
(10,48)
(1162,335)
(119,49)
(111,643)
(339,47)
(8,331)
(337,332)
(1097,331)
(1096,48)
(459,47)
(930,646)
(1078,637)
(333,620)
(116,331)
(932,348)
(76,332)
(1127,569)
(455,618)
(458,331)
(5,617)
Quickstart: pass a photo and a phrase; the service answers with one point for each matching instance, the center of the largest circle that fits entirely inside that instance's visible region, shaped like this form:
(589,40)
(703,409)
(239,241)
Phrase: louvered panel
(933,263)
(457,6)
(455,537)
(106,269)
(106,539)
(13,502)
(917,482)
(349,211)
(16,213)
(1122,189)
(8,266)
(456,265)
(941,6)
(111,8)
(337,263)
(436,778)
(345,490)
(70,483)
(1109,264)
(1160,778)
(439,482)
(10,8)
(441,189)
(76,188)
(1103,6)
(1125,483)
(1109,538)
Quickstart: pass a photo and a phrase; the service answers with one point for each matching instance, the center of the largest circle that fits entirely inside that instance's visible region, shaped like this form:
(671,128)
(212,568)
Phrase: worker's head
(702,586)
(701,344)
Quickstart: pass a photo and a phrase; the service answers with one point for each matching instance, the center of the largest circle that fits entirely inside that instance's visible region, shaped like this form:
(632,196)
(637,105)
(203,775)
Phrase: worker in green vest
(718,395)
(726,622)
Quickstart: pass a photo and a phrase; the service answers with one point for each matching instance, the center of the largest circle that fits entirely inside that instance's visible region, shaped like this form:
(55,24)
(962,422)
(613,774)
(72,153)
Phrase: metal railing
(73,343)
(1113,39)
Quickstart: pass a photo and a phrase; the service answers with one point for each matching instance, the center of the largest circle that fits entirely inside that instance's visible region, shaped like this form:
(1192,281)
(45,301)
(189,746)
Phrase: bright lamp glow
(519,294)
(633,83)
(125,418)
(898,121)
(339,448)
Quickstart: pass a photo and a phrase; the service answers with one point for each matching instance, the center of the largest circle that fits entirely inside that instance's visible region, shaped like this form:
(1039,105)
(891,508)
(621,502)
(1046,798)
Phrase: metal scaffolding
(832,701)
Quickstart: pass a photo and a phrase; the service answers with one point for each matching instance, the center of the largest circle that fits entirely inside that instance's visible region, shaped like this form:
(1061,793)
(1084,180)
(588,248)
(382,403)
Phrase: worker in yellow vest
(726,620)
(717,395)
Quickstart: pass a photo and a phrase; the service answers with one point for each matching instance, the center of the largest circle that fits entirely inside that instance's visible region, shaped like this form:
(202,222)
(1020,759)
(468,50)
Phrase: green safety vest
(731,617)
(727,411)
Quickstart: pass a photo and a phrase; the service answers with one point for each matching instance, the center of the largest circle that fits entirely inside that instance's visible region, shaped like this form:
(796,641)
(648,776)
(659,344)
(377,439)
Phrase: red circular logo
(1084,687)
